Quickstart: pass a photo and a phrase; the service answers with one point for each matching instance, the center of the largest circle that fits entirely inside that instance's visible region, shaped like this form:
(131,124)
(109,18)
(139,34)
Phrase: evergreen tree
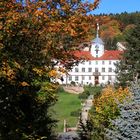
(85,130)
(128,69)
(127,18)
(127,125)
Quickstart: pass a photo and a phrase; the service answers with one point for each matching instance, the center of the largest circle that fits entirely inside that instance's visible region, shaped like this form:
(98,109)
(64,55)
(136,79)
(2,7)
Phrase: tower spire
(97,35)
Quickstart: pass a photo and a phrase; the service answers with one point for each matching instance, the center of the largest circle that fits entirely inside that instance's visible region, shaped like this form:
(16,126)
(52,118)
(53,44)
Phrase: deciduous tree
(35,37)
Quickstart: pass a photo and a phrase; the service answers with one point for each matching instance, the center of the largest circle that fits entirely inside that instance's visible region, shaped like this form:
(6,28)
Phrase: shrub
(60,89)
(83,96)
(73,83)
(93,90)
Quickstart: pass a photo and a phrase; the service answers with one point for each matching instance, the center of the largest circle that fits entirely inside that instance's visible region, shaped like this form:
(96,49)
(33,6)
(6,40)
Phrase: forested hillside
(114,27)
(127,18)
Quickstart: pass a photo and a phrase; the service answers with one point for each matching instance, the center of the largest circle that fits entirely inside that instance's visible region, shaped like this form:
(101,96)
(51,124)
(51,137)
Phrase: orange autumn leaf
(53,73)
(24,84)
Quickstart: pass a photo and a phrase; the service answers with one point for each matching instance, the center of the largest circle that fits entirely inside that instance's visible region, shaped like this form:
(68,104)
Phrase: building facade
(98,67)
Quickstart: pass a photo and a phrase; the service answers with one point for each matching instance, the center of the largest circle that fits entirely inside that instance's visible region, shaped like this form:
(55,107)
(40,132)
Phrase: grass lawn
(66,104)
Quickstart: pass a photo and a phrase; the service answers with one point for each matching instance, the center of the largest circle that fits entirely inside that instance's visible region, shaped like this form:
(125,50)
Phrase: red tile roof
(108,55)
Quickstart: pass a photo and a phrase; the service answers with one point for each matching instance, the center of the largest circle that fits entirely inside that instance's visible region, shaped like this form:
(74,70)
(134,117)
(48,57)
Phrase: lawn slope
(66,104)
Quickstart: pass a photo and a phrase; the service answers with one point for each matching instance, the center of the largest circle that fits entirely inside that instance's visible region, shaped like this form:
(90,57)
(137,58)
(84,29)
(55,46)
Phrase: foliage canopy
(33,36)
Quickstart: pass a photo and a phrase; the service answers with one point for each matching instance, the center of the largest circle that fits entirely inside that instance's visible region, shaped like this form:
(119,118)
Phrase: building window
(97,47)
(114,63)
(96,62)
(109,69)
(89,77)
(70,78)
(83,77)
(97,52)
(76,69)
(83,69)
(103,69)
(103,77)
(76,78)
(89,62)
(109,78)
(89,69)
(83,63)
(109,62)
(96,70)
(103,62)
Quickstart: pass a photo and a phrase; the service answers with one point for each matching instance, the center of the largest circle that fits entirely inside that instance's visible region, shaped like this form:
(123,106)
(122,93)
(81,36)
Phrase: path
(86,107)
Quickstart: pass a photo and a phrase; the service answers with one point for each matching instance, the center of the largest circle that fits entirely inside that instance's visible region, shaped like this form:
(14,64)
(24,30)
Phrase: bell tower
(97,45)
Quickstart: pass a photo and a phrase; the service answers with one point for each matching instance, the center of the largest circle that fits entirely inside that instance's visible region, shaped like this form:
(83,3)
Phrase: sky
(117,6)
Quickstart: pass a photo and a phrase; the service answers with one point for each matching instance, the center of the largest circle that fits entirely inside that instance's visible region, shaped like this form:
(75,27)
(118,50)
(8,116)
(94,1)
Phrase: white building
(99,67)
(121,46)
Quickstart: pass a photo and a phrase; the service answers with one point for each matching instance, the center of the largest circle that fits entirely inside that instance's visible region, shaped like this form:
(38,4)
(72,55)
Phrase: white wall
(100,47)
(92,64)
